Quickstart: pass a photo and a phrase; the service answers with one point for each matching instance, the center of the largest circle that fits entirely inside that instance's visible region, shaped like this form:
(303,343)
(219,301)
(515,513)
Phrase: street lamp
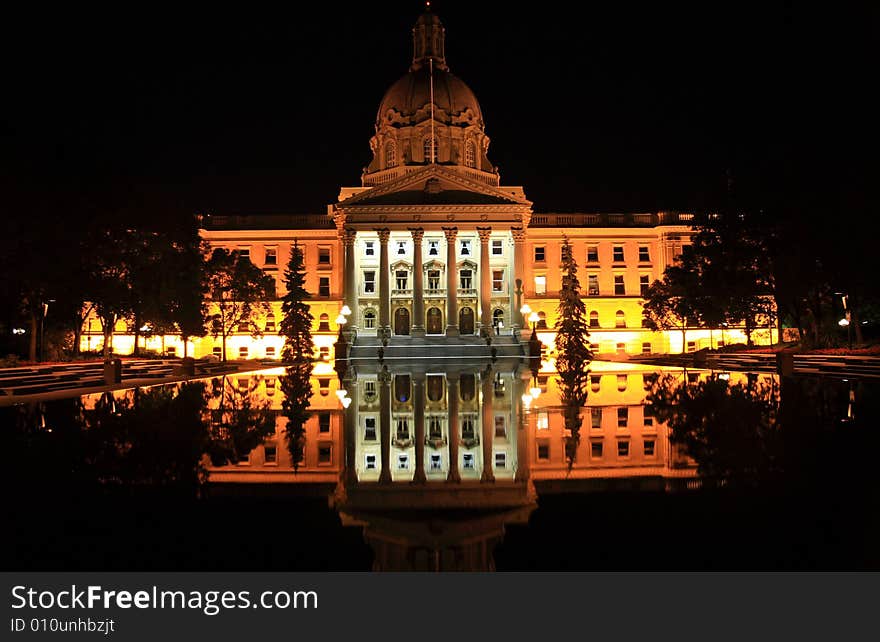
(45,306)
(533,319)
(341,348)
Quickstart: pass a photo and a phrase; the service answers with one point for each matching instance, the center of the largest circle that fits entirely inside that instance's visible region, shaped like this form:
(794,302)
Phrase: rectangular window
(369,429)
(540,285)
(271,256)
(619,286)
(270,455)
(595,382)
(402,429)
(433,248)
(270,352)
(543,422)
(436,462)
(644,284)
(592,254)
(370,462)
(543,451)
(500,460)
(465,248)
(467,461)
(402,277)
(623,448)
(500,428)
(497,247)
(244,253)
(617,255)
(243,352)
(622,417)
(324,422)
(644,254)
(435,428)
(646,348)
(466,278)
(325,453)
(539,254)
(323,256)
(621,382)
(402,461)
(369,248)
(648,419)
(497,280)
(649,448)
(467,428)
(433,279)
(596,449)
(564,253)
(621,348)
(324,286)
(369,390)
(401,248)
(596,418)
(592,285)
(692,346)
(369,282)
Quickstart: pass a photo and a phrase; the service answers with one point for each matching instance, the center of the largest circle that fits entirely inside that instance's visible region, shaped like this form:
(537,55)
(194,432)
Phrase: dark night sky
(590,108)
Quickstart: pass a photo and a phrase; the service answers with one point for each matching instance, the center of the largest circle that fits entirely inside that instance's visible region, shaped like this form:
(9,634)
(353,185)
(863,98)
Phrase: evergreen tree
(295,326)
(573,349)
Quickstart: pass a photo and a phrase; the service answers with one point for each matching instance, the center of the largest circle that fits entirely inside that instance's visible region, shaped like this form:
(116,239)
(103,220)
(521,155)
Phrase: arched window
(620,320)
(401,388)
(498,319)
(542,320)
(430,150)
(369,319)
(470,154)
(390,154)
(594,319)
(324,324)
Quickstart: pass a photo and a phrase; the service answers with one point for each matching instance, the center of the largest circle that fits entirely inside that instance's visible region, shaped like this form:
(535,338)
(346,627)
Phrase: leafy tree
(295,326)
(239,293)
(240,423)
(110,279)
(572,348)
(670,302)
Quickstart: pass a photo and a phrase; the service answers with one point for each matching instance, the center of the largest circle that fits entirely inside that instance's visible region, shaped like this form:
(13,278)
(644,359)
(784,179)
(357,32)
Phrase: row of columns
(348,236)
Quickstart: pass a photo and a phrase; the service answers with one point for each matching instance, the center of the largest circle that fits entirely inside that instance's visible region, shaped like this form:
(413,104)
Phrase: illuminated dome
(409,98)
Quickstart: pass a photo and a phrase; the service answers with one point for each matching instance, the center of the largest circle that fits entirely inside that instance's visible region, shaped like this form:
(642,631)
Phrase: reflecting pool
(428,466)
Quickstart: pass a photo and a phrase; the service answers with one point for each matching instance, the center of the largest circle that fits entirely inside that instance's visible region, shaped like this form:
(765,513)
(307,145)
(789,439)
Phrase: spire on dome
(429,41)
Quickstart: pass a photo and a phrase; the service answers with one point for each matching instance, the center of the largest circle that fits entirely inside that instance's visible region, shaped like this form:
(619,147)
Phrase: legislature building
(433,250)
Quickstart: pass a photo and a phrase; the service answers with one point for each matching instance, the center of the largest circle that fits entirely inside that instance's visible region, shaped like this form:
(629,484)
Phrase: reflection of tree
(730,430)
(240,422)
(297,388)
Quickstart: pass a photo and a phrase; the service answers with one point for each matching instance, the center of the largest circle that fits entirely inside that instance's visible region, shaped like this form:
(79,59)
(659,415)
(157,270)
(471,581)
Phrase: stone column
(453,428)
(385,425)
(520,386)
(418,321)
(418,379)
(350,428)
(485,281)
(384,289)
(451,283)
(487,421)
(351,280)
(519,245)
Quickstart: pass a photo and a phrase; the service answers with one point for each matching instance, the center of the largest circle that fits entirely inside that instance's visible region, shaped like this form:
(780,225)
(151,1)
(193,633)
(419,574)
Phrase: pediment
(434,185)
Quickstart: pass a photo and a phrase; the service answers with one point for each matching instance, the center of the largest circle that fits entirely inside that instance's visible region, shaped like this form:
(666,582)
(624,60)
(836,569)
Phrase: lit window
(497,280)
(618,254)
(270,322)
(270,453)
(595,382)
(621,348)
(433,248)
(370,462)
(243,352)
(497,247)
(467,461)
(217,351)
(467,428)
(324,387)
(324,353)
(692,346)
(390,154)
(436,462)
(649,448)
(543,451)
(466,279)
(270,352)
(370,390)
(433,279)
(594,319)
(324,286)
(369,248)
(543,421)
(594,347)
(621,382)
(435,428)
(470,155)
(592,254)
(619,319)
(324,256)
(539,254)
(171,351)
(403,429)
(619,286)
(500,460)
(369,319)
(324,323)
(622,417)
(540,285)
(271,256)
(646,348)
(465,248)
(596,418)
(542,320)
(324,422)
(596,449)
(644,255)
(401,247)
(403,461)
(623,448)
(592,285)
(644,284)
(402,277)
(369,282)
(369,429)
(500,428)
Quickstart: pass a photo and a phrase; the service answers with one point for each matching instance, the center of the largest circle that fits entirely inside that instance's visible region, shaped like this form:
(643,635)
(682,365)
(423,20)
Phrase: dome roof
(413,91)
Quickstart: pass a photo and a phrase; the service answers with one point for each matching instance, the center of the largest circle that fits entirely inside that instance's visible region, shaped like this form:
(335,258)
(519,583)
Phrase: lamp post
(340,364)
(45,307)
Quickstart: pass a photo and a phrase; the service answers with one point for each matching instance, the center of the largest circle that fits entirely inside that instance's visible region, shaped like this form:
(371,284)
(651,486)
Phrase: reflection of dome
(413,91)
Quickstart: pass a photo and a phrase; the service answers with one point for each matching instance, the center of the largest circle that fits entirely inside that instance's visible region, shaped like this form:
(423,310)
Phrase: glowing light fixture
(527,401)
(526,309)
(345,310)
(843,323)
(341,320)
(534,318)
(346,402)
(535,392)
(18,330)
(342,393)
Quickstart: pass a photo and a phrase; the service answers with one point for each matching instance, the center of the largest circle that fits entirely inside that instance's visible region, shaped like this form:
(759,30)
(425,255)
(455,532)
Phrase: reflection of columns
(350,276)
(487,419)
(418,379)
(485,280)
(385,425)
(452,426)
(384,292)
(350,428)
(519,244)
(522,433)
(451,283)
(418,322)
